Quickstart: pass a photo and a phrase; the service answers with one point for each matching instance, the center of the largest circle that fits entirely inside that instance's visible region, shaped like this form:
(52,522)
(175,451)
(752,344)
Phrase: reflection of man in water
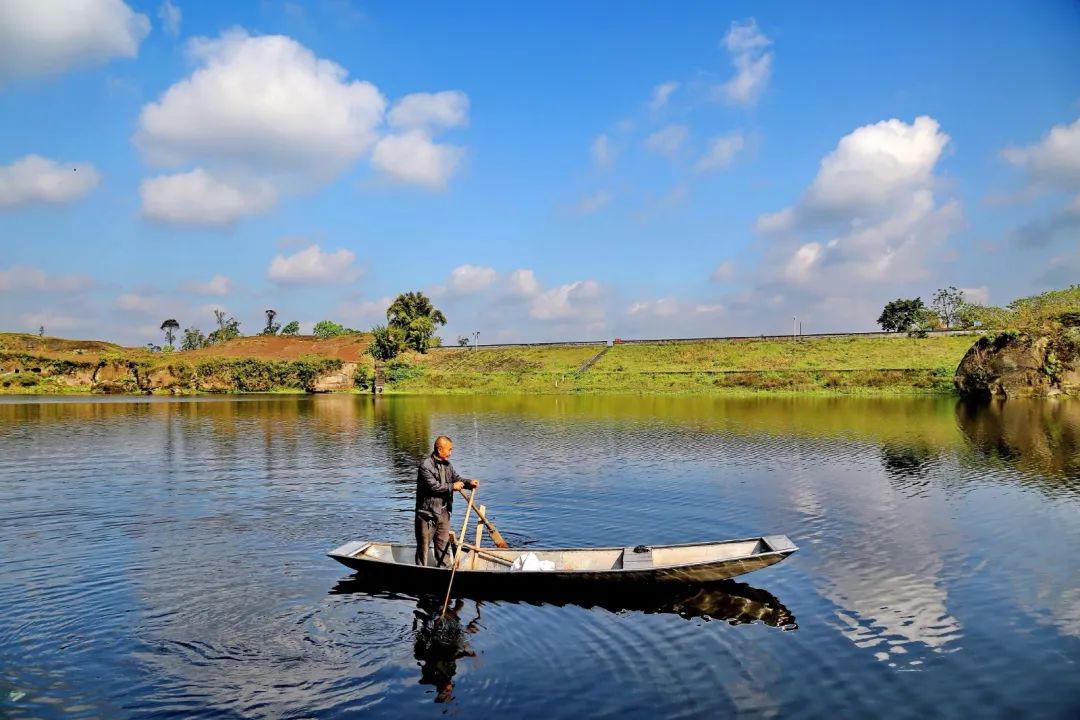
(440,643)
(436,481)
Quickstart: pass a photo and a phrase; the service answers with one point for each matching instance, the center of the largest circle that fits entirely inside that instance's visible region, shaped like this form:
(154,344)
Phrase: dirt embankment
(347,348)
(29,364)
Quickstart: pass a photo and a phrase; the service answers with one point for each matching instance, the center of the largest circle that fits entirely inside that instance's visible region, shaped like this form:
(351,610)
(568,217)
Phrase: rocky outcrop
(1019,365)
(27,372)
(337,380)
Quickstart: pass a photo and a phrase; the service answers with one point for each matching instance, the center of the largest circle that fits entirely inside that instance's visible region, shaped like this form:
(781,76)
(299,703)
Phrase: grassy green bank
(845,365)
(833,365)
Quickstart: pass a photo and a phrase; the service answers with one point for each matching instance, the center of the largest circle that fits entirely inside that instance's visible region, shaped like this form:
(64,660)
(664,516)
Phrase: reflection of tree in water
(441,642)
(406,427)
(908,465)
(1039,436)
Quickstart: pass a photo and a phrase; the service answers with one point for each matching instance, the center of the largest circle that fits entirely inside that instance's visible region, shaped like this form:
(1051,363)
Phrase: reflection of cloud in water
(876,561)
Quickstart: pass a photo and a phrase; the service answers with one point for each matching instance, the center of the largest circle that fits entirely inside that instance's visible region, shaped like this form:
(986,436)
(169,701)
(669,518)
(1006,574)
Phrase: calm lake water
(166,558)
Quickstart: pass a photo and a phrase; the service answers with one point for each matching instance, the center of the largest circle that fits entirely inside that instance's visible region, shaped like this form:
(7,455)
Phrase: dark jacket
(434,482)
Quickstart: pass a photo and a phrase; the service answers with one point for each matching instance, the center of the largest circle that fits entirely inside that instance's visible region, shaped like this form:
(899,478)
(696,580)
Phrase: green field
(861,365)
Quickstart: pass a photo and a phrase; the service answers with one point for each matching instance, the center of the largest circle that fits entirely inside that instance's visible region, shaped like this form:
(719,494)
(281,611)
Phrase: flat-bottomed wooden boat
(488,569)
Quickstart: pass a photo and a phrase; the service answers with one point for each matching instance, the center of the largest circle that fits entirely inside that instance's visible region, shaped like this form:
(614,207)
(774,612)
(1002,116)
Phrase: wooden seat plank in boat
(633,559)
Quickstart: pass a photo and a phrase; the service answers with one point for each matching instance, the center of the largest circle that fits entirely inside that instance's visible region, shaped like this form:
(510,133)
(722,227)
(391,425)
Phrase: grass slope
(842,364)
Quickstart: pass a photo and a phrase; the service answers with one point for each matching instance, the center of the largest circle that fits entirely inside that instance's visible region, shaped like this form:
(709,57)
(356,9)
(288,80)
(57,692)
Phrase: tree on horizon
(271,327)
(947,302)
(228,328)
(416,317)
(901,315)
(170,327)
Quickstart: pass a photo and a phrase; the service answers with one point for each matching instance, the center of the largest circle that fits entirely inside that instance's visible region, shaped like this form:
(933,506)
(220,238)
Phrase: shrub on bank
(397,371)
(255,375)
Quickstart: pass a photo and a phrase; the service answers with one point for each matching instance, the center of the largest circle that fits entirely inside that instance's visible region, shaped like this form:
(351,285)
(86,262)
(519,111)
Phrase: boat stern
(779,544)
(349,549)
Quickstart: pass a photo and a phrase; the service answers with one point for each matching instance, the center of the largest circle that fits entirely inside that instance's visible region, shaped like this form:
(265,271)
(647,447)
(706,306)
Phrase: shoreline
(835,366)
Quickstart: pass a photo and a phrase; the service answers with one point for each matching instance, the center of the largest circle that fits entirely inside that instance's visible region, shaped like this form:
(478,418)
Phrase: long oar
(457,553)
(496,536)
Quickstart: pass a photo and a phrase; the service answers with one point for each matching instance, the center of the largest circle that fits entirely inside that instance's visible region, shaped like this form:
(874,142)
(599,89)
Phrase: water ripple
(165,558)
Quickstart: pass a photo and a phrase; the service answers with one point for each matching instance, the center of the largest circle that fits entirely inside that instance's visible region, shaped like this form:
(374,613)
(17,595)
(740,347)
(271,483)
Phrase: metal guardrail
(663,341)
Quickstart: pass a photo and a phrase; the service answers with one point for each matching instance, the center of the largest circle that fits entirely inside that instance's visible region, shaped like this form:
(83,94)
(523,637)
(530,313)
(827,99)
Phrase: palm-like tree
(416,317)
(170,327)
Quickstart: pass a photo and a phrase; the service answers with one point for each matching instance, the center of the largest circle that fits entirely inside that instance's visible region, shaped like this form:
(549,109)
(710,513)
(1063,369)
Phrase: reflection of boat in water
(732,602)
(630,567)
(439,643)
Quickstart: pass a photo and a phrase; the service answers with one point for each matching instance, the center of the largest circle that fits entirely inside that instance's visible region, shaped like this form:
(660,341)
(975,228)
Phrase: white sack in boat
(530,563)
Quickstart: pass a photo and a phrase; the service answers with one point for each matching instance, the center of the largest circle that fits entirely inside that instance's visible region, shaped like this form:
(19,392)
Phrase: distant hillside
(23,342)
(347,348)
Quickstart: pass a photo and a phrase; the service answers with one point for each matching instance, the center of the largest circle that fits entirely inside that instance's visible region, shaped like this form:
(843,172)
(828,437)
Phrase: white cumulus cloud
(870,214)
(269,118)
(313,266)
(661,94)
(413,158)
(747,46)
(264,102)
(1053,165)
(875,166)
(979,295)
(199,198)
(576,301)
(43,37)
(1054,160)
(136,303)
(802,261)
(35,179)
(26,278)
(170,17)
(662,308)
(259,117)
(447,109)
(523,283)
(217,285)
(470,279)
(720,152)
(363,313)
(667,140)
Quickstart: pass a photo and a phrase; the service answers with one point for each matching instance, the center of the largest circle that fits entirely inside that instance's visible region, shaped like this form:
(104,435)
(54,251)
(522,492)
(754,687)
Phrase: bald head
(443,447)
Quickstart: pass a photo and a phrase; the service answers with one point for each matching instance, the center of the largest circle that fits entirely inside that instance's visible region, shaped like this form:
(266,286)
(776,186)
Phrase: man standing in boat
(436,481)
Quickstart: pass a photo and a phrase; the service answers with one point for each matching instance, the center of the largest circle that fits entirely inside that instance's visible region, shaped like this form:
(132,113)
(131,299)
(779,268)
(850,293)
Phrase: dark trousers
(433,529)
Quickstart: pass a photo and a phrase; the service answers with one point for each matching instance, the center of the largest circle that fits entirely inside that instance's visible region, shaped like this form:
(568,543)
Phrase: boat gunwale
(644,571)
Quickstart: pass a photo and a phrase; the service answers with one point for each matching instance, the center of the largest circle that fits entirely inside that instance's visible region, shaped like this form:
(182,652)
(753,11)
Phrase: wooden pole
(487,555)
(479,535)
(457,553)
(496,536)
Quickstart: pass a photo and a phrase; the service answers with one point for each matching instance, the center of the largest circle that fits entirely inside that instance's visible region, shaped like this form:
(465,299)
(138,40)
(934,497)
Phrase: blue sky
(557,172)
